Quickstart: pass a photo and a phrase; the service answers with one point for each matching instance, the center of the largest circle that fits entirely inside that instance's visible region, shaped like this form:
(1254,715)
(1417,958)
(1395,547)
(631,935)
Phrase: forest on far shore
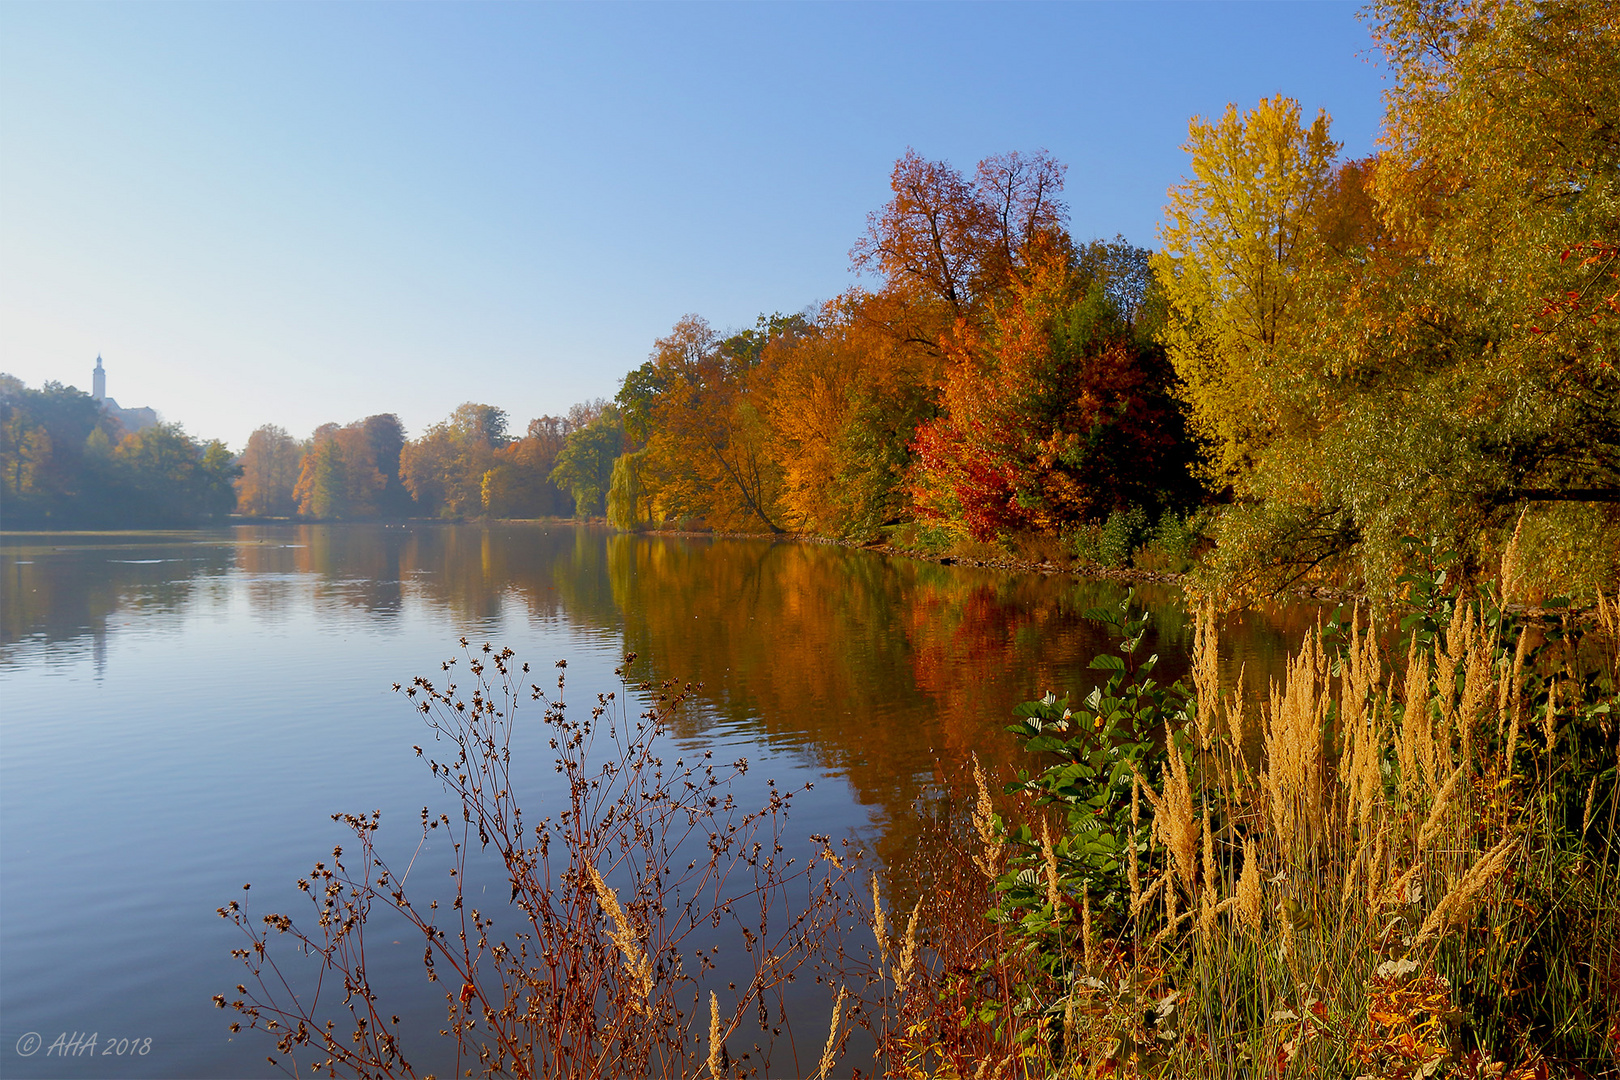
(1324,358)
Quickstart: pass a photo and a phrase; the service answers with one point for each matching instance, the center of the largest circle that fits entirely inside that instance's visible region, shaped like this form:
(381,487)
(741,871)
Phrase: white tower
(98,382)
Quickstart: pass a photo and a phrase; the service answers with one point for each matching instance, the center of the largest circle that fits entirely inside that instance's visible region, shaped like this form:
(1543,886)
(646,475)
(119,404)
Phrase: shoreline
(1321,594)
(1317,593)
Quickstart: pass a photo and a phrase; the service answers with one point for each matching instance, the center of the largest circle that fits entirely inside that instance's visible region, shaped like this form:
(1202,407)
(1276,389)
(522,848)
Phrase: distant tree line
(466,466)
(68,464)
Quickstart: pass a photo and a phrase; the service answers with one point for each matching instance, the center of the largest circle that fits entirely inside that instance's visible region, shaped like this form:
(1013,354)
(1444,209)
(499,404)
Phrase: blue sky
(300,213)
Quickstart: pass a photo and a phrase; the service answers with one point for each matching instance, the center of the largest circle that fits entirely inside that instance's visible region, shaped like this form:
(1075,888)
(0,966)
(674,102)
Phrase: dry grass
(1373,897)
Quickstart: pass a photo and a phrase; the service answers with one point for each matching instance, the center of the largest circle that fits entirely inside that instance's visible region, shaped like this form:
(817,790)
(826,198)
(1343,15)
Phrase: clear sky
(300,213)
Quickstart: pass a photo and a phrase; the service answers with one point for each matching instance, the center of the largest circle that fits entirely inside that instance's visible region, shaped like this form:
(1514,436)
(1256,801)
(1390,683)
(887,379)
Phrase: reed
(1401,886)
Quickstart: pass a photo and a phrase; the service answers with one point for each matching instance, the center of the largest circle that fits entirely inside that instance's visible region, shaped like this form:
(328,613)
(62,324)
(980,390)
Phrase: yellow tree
(1237,241)
(444,469)
(808,400)
(519,484)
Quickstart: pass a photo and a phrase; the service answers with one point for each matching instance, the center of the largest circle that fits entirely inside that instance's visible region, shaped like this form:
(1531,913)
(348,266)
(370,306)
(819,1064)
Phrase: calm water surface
(180,713)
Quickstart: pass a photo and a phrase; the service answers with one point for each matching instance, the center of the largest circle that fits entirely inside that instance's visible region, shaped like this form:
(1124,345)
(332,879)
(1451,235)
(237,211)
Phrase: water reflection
(869,664)
(250,669)
(878,669)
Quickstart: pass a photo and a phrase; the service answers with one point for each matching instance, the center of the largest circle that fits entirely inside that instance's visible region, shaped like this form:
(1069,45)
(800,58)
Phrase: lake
(181,713)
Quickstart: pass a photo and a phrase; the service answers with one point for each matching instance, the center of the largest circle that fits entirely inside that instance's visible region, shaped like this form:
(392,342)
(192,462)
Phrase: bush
(1110,544)
(1169,546)
(601,977)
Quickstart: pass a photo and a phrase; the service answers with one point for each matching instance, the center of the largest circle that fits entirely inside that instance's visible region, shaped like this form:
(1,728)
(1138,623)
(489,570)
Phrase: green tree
(585,465)
(43,472)
(166,478)
(628,507)
(385,439)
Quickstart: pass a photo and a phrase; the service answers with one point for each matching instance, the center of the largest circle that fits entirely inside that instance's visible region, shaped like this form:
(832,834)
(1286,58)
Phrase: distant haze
(300,214)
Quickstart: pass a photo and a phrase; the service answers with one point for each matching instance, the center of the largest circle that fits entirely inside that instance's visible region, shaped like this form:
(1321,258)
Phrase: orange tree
(1056,408)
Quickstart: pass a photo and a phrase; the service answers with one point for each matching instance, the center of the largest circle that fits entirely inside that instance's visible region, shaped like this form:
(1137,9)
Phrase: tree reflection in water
(886,672)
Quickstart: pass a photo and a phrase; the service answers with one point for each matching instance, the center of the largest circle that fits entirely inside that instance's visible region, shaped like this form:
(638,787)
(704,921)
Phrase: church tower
(98,382)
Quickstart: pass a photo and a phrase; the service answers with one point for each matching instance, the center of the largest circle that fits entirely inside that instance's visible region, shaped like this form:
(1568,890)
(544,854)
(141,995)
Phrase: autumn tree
(444,469)
(340,474)
(709,449)
(942,248)
(1056,410)
(519,484)
(842,401)
(1022,194)
(932,237)
(1236,243)
(270,470)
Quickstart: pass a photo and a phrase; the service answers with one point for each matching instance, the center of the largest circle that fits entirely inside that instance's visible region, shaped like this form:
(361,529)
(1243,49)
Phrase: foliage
(444,469)
(519,485)
(627,506)
(1171,545)
(1100,750)
(1000,378)
(953,242)
(1055,412)
(1236,242)
(585,464)
(709,452)
(270,469)
(162,476)
(339,475)
(1126,539)
(65,463)
(1423,341)
(44,470)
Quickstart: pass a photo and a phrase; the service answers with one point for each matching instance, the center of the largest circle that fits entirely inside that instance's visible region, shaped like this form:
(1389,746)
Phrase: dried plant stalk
(984,823)
(637,965)
(829,1055)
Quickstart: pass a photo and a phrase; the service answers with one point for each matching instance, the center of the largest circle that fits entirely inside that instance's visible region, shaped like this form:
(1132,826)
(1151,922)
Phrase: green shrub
(1110,544)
